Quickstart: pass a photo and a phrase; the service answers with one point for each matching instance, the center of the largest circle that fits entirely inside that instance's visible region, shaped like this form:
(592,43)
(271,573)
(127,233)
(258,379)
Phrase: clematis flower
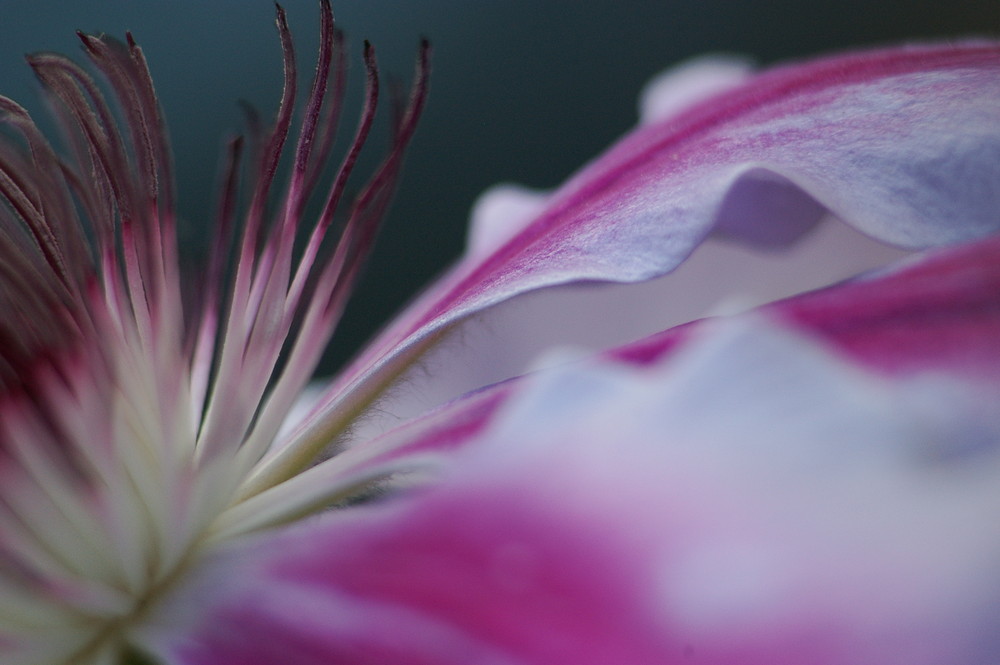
(813,481)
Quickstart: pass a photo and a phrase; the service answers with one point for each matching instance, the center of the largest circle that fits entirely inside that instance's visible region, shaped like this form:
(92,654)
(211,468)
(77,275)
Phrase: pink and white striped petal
(752,499)
(552,325)
(938,313)
(933,314)
(903,144)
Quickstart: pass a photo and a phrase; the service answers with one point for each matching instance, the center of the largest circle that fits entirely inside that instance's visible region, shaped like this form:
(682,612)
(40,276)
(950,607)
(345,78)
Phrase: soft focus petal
(681,87)
(938,313)
(761,503)
(941,314)
(904,144)
(500,213)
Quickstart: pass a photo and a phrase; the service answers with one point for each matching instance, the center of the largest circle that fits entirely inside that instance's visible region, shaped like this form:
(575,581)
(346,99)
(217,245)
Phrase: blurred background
(522,90)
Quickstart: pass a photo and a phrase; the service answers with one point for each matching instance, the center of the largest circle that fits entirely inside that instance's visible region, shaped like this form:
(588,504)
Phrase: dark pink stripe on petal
(733,507)
(940,313)
(459,578)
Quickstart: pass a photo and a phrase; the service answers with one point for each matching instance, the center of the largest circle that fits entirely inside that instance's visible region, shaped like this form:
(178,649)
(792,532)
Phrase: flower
(811,482)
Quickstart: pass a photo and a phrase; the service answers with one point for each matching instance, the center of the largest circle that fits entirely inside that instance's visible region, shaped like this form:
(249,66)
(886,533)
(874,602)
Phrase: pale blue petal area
(752,499)
(537,329)
(504,210)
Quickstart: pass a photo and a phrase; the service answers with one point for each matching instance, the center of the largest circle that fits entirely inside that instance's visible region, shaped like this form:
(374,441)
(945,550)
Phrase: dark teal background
(522,90)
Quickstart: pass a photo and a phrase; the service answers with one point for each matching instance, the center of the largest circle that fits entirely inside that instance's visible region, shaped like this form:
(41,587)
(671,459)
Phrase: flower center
(139,414)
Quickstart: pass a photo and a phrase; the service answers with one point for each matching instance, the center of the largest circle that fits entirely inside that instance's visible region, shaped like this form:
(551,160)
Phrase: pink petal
(576,320)
(936,313)
(939,313)
(904,144)
(503,211)
(610,515)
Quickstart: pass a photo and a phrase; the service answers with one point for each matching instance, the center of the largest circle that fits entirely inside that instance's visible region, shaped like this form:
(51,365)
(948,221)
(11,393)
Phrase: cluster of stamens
(136,408)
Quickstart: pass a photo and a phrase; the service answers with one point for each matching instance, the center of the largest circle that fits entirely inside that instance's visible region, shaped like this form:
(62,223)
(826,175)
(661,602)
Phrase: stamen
(338,277)
(252,272)
(212,301)
(131,416)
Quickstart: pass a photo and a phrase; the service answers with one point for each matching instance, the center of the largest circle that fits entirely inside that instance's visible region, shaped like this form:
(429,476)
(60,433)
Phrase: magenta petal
(938,313)
(941,313)
(454,578)
(553,325)
(609,515)
(446,589)
(904,144)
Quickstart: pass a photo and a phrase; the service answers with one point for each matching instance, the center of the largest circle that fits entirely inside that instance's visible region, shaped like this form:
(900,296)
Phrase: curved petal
(938,313)
(903,143)
(553,325)
(503,211)
(610,515)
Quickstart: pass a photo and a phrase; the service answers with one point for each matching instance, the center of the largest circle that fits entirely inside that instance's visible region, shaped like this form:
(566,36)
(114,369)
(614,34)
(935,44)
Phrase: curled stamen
(130,411)
(334,283)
